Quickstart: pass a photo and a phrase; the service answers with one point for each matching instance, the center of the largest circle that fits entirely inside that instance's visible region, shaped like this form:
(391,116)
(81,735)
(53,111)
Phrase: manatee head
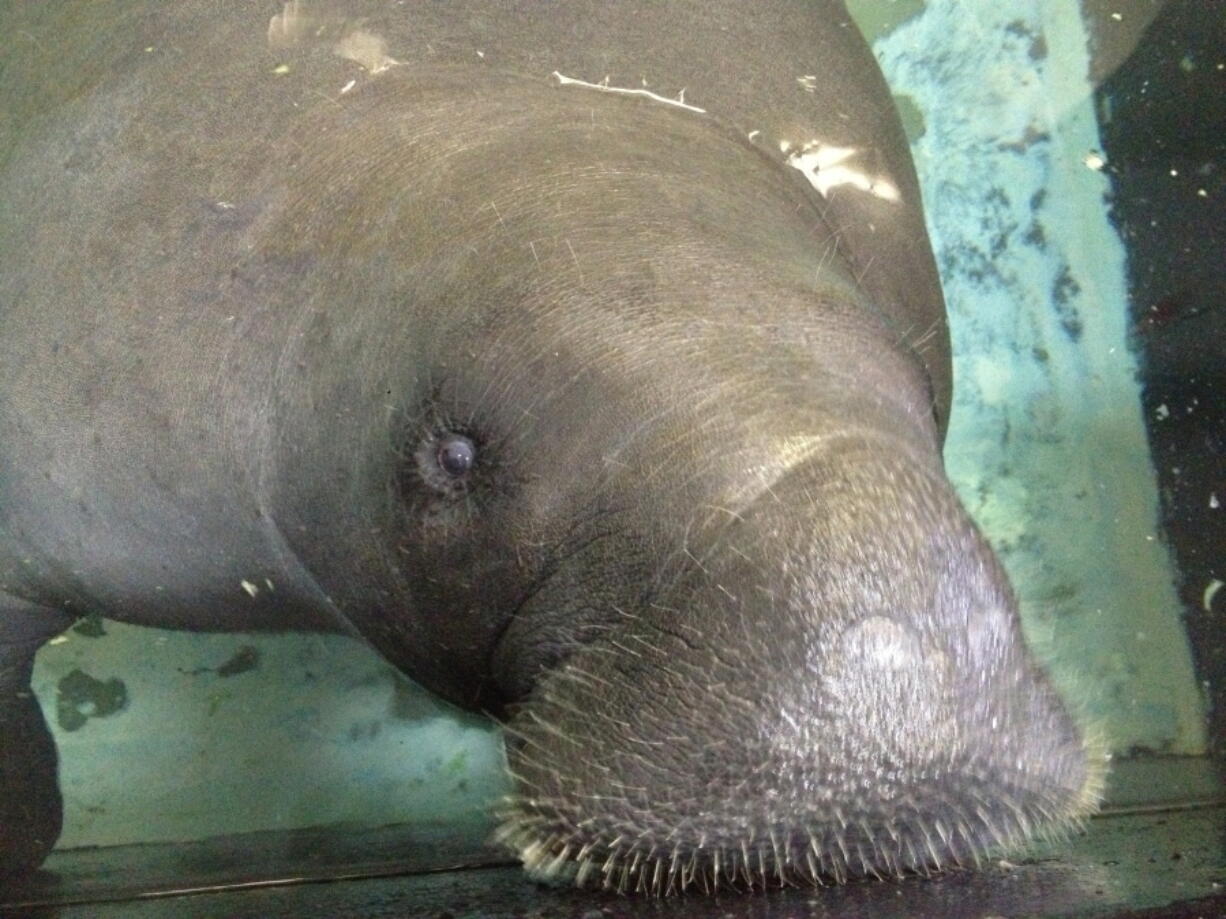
(814,673)
(666,494)
(756,639)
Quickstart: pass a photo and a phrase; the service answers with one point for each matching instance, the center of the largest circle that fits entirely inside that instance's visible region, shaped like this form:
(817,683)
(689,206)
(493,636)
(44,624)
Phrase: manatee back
(795,77)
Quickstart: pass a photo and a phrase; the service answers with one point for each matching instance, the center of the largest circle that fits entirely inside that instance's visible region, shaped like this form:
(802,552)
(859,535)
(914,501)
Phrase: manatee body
(588,360)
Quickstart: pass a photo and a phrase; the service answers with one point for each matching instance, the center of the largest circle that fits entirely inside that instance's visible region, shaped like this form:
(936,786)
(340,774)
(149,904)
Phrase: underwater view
(1069,157)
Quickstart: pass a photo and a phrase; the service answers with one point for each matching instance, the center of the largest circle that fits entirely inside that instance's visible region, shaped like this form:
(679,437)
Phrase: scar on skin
(827,167)
(604,87)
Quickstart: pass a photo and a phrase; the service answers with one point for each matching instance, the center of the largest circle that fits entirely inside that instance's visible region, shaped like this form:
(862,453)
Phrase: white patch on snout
(883,643)
(893,687)
(990,637)
(828,167)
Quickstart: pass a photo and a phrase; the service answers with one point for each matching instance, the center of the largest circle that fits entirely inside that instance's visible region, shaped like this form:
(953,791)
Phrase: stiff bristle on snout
(604,840)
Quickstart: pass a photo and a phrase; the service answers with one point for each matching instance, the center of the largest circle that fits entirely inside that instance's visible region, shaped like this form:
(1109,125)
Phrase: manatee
(587,360)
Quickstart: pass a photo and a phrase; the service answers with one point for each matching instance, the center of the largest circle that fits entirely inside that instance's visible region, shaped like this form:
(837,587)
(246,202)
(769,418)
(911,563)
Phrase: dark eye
(455,455)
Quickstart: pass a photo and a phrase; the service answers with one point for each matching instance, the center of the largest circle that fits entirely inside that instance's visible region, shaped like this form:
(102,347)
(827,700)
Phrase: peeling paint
(90,626)
(80,697)
(244,659)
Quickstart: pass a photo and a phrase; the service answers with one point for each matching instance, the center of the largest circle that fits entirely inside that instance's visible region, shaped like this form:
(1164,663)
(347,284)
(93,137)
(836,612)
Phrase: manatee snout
(827,694)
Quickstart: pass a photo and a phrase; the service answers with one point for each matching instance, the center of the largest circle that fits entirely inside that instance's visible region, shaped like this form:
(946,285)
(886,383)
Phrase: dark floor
(1124,865)
(1137,857)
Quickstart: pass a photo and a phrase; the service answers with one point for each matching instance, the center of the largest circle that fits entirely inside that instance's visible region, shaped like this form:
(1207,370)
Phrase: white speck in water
(1095,160)
(1210,592)
(1162,412)
(251,589)
(1214,503)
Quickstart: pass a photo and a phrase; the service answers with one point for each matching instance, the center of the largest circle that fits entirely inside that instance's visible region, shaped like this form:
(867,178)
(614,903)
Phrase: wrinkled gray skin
(706,563)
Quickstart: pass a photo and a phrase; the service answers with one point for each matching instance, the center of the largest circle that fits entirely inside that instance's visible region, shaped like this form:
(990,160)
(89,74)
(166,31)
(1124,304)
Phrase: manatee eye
(455,455)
